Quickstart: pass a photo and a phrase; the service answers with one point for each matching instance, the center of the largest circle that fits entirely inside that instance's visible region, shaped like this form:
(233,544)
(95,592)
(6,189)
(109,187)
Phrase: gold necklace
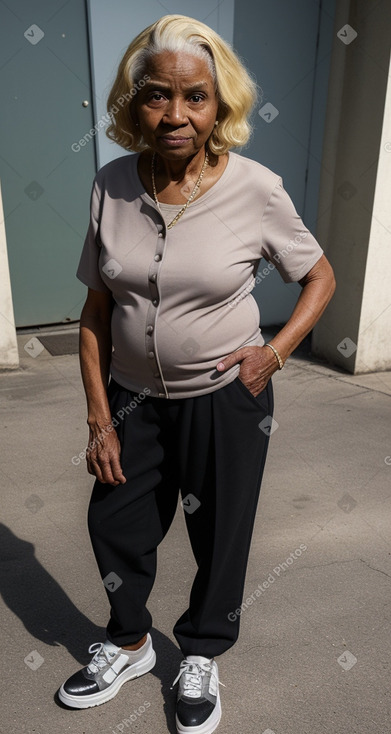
(192,195)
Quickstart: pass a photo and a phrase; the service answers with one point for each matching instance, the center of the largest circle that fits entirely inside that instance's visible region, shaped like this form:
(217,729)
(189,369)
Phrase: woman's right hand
(103,454)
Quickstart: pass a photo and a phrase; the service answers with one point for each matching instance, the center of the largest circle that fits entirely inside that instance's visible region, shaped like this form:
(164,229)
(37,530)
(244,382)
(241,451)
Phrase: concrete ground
(313,655)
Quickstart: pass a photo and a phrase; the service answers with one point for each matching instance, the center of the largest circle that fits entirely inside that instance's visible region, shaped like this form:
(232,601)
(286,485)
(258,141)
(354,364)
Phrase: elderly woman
(174,365)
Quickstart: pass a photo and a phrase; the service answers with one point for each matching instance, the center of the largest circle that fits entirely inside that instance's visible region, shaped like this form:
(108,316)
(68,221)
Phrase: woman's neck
(181,169)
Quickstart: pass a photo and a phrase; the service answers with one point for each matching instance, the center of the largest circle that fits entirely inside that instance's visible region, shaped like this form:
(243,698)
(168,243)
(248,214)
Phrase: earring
(217,122)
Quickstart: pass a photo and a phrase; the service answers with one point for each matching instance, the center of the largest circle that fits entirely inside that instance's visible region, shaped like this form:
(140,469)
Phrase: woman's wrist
(283,345)
(279,360)
(99,421)
(98,415)
(98,409)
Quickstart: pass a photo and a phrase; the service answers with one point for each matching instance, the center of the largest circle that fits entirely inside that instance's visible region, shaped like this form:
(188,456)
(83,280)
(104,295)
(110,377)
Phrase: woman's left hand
(257,366)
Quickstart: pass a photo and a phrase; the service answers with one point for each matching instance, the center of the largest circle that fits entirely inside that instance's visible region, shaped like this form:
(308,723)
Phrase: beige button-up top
(182,297)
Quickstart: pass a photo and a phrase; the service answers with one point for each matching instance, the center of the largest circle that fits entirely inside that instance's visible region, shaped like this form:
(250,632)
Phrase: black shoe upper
(192,712)
(80,684)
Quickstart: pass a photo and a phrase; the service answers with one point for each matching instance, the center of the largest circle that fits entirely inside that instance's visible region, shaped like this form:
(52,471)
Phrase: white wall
(374,343)
(355,221)
(9,357)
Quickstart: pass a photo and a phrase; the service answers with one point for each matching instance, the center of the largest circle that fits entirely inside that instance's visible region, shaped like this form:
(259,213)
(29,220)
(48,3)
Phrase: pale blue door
(287,46)
(45,78)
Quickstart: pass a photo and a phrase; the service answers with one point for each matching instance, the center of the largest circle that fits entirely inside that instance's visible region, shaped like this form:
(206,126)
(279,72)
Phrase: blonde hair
(235,89)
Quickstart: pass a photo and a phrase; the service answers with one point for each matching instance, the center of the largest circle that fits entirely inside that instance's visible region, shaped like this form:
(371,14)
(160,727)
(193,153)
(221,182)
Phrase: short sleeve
(88,270)
(286,241)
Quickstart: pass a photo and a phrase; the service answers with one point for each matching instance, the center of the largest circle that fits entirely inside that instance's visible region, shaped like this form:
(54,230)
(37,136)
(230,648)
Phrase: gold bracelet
(277,356)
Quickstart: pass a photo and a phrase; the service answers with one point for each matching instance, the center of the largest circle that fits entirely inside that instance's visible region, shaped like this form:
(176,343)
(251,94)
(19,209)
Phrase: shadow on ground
(49,615)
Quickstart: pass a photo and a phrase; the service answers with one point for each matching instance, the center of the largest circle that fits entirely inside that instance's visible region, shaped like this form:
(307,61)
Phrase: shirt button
(155,301)
(162,395)
(152,277)
(149,329)
(157,258)
(160,234)
(151,355)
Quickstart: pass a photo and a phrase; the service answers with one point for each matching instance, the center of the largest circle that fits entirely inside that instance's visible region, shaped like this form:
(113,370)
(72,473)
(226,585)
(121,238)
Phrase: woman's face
(177,108)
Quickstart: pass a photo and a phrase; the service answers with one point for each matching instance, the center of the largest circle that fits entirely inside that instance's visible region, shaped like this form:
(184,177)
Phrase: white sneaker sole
(207,727)
(95,699)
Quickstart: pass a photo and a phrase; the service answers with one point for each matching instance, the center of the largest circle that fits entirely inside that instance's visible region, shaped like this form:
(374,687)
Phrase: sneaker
(198,709)
(108,670)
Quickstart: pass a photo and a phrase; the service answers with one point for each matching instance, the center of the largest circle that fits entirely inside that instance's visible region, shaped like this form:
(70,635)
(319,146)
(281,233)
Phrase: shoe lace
(102,657)
(193,674)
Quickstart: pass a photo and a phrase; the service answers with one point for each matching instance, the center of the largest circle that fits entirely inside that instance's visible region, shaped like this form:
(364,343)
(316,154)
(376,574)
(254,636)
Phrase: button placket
(152,315)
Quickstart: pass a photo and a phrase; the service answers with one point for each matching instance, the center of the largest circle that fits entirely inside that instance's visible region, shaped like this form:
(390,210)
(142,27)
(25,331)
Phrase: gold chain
(192,195)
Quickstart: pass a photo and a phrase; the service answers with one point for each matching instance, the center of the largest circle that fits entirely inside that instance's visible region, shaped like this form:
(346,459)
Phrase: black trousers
(211,448)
